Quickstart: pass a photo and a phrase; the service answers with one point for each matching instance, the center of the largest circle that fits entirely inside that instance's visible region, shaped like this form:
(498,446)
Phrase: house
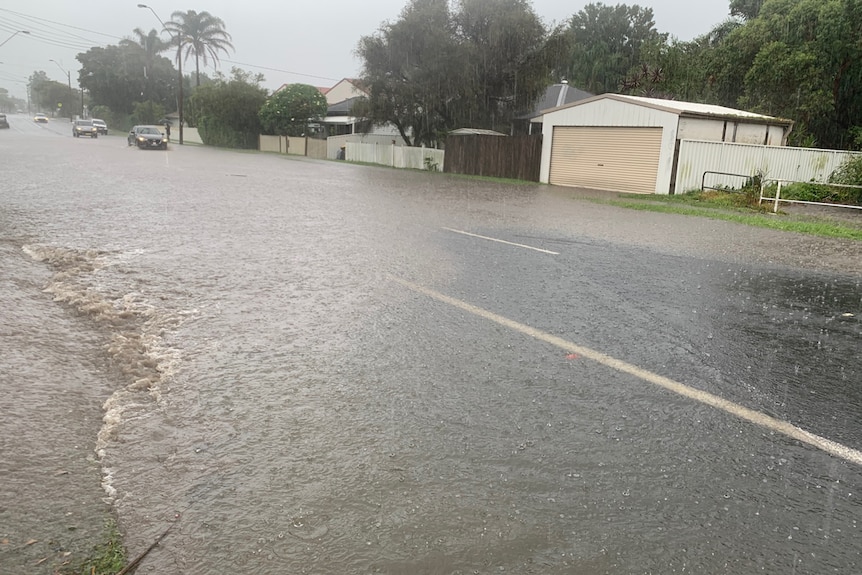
(555,96)
(631,144)
(339,120)
(345,89)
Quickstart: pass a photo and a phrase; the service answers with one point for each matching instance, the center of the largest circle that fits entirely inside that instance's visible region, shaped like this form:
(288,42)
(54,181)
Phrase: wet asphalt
(450,316)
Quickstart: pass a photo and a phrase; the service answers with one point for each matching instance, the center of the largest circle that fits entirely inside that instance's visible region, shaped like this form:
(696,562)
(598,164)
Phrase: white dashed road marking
(744,413)
(462,232)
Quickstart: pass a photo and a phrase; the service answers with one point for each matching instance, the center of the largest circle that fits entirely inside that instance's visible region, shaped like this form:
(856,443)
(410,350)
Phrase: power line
(279,70)
(60,24)
(70,43)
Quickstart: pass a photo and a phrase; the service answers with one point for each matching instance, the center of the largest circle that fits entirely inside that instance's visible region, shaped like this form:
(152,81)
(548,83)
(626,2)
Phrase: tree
(48,94)
(227,110)
(606,45)
(412,73)
(436,69)
(118,76)
(747,9)
(147,112)
(151,44)
(799,59)
(509,57)
(200,34)
(9,103)
(289,111)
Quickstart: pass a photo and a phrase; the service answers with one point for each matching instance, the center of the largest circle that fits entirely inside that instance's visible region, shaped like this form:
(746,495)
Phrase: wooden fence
(514,157)
(302,146)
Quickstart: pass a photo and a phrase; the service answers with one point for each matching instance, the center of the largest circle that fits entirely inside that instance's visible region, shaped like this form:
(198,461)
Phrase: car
(147,137)
(41,118)
(101,126)
(4,123)
(84,128)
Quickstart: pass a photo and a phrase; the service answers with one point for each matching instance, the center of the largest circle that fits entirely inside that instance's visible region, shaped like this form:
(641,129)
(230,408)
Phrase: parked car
(101,126)
(4,123)
(147,137)
(41,118)
(84,128)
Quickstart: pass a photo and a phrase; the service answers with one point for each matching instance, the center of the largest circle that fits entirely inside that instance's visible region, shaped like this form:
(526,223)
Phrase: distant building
(555,96)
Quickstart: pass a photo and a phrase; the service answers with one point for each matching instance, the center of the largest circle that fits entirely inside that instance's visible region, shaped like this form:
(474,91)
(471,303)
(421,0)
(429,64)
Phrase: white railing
(777,198)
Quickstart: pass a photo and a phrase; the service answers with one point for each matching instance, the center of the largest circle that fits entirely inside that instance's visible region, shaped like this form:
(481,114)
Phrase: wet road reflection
(303,413)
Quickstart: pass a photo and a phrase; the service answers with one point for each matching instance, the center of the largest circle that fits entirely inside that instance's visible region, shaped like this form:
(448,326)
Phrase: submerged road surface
(316,367)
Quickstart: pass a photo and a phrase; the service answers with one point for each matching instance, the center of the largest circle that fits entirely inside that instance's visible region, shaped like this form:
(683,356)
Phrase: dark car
(3,122)
(147,137)
(84,128)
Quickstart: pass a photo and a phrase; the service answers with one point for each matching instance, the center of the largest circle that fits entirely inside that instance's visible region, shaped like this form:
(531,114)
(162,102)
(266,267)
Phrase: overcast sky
(287,40)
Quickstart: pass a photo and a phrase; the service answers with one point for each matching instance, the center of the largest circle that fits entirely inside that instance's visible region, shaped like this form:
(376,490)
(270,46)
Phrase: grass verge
(106,558)
(734,208)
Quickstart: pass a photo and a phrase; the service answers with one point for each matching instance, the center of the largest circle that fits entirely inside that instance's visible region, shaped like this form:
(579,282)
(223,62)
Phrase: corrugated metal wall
(800,164)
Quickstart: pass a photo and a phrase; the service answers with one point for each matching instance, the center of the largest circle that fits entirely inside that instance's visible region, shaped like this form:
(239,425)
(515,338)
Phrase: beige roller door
(621,159)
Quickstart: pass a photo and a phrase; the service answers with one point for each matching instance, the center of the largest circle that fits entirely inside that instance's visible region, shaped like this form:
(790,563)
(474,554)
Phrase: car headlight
(141,139)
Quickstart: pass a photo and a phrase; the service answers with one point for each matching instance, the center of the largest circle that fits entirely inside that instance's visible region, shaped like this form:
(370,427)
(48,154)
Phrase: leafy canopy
(606,45)
(289,111)
(119,76)
(227,110)
(479,63)
(200,34)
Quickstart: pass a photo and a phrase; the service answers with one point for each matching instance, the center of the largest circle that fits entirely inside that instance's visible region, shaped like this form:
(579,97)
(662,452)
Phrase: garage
(620,159)
(630,144)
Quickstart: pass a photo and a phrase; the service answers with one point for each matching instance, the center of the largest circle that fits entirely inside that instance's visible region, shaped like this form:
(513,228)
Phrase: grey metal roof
(554,97)
(474,132)
(681,108)
(342,108)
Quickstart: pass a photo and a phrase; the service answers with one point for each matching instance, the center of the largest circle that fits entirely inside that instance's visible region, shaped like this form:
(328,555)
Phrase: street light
(13,35)
(69,78)
(176,39)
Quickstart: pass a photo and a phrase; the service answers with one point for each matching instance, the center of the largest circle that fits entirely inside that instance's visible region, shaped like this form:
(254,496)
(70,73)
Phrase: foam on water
(135,327)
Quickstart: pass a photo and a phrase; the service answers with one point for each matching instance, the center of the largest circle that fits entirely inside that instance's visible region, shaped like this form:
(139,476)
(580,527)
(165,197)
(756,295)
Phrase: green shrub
(849,174)
(148,112)
(215,133)
(811,192)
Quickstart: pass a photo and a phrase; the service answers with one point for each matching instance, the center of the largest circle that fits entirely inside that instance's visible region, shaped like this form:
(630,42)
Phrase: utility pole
(176,40)
(69,79)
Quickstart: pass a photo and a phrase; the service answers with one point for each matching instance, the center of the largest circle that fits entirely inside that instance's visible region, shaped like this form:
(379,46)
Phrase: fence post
(777,197)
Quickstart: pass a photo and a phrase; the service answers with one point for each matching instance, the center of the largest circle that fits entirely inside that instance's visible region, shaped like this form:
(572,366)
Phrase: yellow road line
(761,419)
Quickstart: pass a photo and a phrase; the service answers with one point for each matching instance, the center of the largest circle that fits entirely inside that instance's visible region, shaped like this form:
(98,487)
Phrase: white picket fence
(395,156)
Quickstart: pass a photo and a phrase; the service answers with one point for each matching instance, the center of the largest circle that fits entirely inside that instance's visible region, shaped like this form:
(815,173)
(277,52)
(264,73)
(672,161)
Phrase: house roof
(690,109)
(343,107)
(474,132)
(555,96)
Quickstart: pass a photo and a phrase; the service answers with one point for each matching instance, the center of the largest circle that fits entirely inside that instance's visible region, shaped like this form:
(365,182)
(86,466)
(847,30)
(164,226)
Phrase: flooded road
(314,367)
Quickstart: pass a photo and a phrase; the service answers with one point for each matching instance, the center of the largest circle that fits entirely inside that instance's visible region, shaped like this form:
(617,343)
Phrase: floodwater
(222,341)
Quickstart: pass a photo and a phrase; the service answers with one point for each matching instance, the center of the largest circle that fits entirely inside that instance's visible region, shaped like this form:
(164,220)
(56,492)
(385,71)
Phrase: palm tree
(150,43)
(200,34)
